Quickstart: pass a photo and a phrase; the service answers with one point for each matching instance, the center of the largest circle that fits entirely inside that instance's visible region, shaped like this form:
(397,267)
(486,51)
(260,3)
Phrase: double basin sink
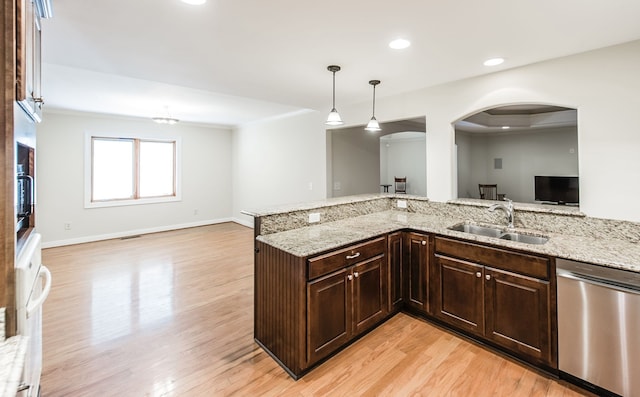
(499,232)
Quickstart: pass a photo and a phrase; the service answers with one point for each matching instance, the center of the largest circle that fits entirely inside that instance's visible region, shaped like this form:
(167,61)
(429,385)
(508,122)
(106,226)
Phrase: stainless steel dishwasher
(599,325)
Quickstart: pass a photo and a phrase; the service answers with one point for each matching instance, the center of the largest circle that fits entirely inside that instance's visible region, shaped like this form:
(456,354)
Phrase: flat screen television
(557,189)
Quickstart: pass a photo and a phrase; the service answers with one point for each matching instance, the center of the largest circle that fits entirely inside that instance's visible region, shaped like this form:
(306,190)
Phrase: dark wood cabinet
(395,276)
(459,294)
(307,308)
(345,304)
(482,290)
(28,60)
(518,313)
(416,266)
(328,314)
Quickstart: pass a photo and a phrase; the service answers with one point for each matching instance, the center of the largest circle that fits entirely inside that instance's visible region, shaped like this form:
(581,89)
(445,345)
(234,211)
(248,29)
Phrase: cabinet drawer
(529,265)
(327,263)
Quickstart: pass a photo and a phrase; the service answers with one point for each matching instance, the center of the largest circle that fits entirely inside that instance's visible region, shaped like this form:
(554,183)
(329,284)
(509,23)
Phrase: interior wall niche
(361,161)
(510,145)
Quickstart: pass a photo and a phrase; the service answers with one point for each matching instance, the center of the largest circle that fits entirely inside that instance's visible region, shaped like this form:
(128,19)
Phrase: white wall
(404,158)
(355,161)
(278,161)
(206,179)
(524,155)
(603,85)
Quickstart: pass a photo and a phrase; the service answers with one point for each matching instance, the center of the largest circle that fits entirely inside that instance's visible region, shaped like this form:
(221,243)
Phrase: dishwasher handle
(599,282)
(45,274)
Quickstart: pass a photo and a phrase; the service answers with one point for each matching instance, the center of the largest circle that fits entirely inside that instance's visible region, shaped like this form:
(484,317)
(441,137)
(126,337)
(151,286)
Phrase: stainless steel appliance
(599,326)
(33,283)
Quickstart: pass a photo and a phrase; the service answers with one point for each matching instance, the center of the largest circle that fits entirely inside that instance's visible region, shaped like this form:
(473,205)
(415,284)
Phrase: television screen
(557,189)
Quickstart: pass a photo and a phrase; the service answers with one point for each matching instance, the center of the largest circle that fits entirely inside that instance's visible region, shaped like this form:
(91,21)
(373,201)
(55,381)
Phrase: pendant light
(373,125)
(334,116)
(165,119)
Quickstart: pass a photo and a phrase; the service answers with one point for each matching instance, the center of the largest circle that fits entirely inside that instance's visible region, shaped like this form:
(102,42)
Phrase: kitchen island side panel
(279,306)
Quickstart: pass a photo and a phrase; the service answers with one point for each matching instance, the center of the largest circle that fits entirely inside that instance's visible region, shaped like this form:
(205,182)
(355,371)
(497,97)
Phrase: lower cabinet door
(417,276)
(518,315)
(459,294)
(369,293)
(328,314)
(394,257)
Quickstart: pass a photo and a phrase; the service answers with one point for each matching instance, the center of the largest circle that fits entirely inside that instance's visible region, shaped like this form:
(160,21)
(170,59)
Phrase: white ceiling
(232,62)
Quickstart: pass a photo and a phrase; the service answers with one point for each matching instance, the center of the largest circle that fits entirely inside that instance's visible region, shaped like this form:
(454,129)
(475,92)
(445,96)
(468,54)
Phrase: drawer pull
(349,277)
(488,277)
(478,274)
(357,254)
(424,242)
(355,274)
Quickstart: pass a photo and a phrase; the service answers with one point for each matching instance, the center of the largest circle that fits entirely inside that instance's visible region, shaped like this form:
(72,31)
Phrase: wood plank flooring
(171,314)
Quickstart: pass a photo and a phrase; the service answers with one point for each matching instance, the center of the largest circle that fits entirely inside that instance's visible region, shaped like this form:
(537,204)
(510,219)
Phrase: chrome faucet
(508,209)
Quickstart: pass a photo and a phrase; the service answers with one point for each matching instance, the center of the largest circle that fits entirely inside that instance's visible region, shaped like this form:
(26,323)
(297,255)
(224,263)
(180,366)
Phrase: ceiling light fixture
(399,44)
(334,116)
(493,62)
(505,127)
(373,124)
(165,119)
(195,2)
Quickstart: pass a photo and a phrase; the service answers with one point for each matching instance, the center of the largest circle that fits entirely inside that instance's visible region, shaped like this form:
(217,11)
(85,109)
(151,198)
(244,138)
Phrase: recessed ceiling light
(194,2)
(505,127)
(493,61)
(399,44)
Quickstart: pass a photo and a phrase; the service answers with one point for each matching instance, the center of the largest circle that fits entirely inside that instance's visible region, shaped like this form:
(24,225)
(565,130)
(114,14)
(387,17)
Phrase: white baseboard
(109,236)
(243,222)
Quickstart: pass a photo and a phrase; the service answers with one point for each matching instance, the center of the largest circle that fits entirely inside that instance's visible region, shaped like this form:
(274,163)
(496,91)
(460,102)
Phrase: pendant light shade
(334,116)
(373,125)
(167,119)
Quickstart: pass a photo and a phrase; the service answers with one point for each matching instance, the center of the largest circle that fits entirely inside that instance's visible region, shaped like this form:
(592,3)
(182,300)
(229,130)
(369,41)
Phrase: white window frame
(88,162)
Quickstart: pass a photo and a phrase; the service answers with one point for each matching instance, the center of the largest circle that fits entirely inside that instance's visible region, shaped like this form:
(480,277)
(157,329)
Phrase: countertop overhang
(314,239)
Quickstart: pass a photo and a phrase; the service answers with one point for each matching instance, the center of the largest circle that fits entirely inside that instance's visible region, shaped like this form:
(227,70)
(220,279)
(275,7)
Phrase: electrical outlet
(195,212)
(402,203)
(67,226)
(310,185)
(336,185)
(314,217)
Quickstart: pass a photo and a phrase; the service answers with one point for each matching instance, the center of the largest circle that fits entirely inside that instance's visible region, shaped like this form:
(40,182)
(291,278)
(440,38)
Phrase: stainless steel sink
(477,229)
(524,238)
(498,232)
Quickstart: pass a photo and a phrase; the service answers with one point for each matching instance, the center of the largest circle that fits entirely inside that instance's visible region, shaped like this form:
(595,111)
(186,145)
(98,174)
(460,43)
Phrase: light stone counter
(12,355)
(311,240)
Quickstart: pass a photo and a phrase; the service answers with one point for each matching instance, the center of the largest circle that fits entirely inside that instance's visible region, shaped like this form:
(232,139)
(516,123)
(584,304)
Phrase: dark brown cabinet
(328,314)
(501,296)
(28,64)
(460,294)
(416,270)
(394,256)
(348,301)
(518,313)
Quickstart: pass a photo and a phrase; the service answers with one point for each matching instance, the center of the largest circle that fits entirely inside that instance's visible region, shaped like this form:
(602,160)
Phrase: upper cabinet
(28,56)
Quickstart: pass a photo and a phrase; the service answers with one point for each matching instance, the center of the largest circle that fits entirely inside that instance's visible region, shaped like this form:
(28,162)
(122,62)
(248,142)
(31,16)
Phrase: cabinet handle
(424,242)
(478,274)
(349,277)
(488,277)
(357,254)
(355,274)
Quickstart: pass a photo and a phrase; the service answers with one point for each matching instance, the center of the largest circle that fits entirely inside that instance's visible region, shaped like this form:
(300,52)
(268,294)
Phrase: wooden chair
(401,185)
(488,192)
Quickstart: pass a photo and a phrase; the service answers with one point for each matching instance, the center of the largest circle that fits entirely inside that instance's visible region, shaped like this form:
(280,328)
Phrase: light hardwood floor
(171,314)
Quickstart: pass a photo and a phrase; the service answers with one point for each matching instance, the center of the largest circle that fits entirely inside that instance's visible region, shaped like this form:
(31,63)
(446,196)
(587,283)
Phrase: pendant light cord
(374,101)
(334,90)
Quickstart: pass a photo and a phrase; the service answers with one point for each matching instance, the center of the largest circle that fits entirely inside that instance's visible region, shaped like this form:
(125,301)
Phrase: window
(126,171)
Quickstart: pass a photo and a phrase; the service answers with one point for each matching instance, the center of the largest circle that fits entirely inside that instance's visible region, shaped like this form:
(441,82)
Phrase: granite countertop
(12,355)
(311,240)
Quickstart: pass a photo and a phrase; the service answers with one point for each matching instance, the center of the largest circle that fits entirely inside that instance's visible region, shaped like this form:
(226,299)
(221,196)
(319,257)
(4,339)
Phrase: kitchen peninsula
(321,285)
